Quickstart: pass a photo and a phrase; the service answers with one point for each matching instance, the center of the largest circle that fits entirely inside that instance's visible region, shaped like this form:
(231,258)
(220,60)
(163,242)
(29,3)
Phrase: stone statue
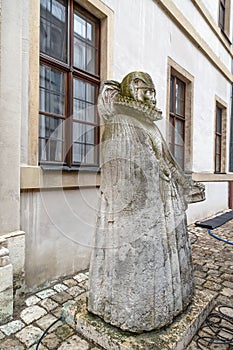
(141,271)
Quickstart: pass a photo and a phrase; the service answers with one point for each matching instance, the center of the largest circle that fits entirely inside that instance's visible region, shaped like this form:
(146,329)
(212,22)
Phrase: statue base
(174,337)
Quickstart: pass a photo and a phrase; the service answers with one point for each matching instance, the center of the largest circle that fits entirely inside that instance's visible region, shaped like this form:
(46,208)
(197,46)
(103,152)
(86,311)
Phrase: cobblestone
(213,270)
(74,342)
(29,335)
(12,327)
(32,313)
(48,304)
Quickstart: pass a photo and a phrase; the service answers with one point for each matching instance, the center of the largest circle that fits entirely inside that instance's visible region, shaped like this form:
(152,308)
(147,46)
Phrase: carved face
(145,94)
(140,87)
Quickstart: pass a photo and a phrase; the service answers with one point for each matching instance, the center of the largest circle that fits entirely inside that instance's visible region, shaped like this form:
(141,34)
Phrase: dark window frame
(175,117)
(222,15)
(218,139)
(71,72)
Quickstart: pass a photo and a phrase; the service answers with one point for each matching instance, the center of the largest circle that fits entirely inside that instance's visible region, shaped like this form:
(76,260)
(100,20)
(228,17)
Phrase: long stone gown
(141,271)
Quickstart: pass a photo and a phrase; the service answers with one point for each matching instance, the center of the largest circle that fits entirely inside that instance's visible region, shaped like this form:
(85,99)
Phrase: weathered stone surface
(141,271)
(32,300)
(174,337)
(29,335)
(46,293)
(2,335)
(48,304)
(46,321)
(64,331)
(51,341)
(12,327)
(6,302)
(61,297)
(60,287)
(75,291)
(70,282)
(74,342)
(6,277)
(12,344)
(32,313)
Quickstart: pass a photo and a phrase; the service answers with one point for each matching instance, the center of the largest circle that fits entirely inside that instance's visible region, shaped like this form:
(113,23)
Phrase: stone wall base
(6,283)
(16,246)
(175,337)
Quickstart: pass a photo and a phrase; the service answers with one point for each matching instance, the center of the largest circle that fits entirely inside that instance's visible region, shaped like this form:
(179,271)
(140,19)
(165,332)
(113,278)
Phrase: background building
(54,54)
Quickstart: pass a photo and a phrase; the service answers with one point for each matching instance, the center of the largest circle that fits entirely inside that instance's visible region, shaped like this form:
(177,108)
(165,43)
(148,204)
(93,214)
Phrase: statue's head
(139,87)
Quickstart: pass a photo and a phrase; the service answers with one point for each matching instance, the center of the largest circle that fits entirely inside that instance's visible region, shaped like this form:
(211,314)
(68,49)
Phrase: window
(222,10)
(177,119)
(220,138)
(69,82)
(224,16)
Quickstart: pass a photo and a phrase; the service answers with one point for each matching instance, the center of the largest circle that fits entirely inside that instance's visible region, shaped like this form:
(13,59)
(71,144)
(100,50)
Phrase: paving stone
(46,293)
(81,277)
(47,320)
(11,344)
(32,313)
(227,277)
(29,335)
(61,297)
(32,300)
(60,287)
(199,281)
(212,286)
(75,291)
(2,335)
(12,327)
(57,312)
(227,292)
(63,332)
(41,347)
(74,342)
(51,341)
(70,282)
(228,284)
(48,304)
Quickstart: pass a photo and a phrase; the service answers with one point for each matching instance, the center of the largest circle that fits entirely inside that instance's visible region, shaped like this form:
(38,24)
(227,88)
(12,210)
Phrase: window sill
(58,177)
(92,169)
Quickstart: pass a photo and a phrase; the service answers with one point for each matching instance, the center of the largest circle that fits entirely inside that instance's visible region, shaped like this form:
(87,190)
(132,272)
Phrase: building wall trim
(181,21)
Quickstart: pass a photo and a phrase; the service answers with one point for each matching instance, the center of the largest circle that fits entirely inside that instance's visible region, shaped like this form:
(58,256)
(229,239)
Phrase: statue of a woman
(141,271)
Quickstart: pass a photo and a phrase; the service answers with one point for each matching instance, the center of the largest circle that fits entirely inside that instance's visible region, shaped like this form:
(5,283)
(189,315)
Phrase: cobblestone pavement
(213,271)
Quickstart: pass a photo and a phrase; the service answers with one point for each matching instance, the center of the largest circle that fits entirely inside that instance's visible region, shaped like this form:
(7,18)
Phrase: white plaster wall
(216,201)
(59,228)
(202,27)
(144,38)
(10,109)
(25,84)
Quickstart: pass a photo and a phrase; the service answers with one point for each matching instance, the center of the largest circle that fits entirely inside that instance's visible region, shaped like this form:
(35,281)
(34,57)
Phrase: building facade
(54,55)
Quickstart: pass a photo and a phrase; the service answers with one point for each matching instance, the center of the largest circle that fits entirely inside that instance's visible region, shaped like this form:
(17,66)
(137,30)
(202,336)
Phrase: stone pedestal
(6,283)
(175,337)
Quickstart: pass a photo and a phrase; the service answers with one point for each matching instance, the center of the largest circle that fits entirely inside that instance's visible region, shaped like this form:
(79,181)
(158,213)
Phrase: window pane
(50,139)
(218,163)
(52,90)
(180,88)
(219,120)
(172,94)
(179,155)
(218,144)
(85,47)
(84,108)
(179,132)
(83,133)
(53,28)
